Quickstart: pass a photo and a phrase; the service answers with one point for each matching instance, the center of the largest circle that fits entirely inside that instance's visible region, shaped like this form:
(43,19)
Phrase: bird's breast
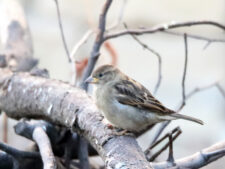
(121,115)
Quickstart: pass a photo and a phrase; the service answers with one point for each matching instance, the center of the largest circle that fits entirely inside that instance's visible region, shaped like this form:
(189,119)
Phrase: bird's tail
(181,116)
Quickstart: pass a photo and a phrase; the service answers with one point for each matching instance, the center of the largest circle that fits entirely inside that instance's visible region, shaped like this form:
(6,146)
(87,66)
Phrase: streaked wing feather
(132,93)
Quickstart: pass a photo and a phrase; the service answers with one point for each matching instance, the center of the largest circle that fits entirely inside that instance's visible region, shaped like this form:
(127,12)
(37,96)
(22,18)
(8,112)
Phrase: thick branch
(22,95)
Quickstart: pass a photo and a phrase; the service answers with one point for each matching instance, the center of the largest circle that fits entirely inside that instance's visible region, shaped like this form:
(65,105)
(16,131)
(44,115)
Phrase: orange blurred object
(81,65)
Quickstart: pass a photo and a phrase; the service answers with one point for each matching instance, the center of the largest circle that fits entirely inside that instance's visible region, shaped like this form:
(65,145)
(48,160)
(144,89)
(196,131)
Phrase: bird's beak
(91,80)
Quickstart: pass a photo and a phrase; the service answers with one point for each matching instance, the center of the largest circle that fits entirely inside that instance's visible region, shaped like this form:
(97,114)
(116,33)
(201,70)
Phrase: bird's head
(104,74)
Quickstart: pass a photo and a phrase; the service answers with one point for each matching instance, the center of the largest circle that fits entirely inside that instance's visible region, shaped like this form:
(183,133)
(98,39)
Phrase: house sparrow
(126,103)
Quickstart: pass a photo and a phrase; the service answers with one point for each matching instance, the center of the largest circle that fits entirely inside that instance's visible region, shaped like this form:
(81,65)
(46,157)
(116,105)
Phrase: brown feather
(130,92)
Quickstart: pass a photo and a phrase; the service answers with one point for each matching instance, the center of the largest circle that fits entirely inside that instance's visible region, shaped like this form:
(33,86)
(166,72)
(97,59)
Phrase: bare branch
(75,49)
(165,124)
(158,57)
(161,128)
(197,37)
(61,31)
(176,132)
(91,63)
(163,27)
(120,16)
(220,89)
(44,145)
(98,42)
(82,143)
(188,96)
(82,41)
(184,74)
(197,160)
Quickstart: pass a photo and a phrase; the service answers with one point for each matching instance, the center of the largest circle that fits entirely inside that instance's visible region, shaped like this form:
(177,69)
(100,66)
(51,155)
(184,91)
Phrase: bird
(126,103)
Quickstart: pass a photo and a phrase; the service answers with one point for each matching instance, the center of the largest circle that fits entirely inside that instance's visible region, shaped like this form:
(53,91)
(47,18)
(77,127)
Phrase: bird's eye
(100,74)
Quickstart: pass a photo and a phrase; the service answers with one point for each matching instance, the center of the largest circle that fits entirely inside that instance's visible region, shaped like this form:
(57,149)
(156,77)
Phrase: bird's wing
(130,92)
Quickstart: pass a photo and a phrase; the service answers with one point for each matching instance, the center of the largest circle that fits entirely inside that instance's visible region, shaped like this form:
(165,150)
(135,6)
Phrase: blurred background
(205,66)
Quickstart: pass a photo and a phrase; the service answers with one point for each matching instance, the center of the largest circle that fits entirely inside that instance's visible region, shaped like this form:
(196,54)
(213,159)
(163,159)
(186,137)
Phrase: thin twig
(61,31)
(207,45)
(163,27)
(120,16)
(165,124)
(165,136)
(199,89)
(177,131)
(159,131)
(188,96)
(164,147)
(220,89)
(145,46)
(75,49)
(82,41)
(184,74)
(97,45)
(197,37)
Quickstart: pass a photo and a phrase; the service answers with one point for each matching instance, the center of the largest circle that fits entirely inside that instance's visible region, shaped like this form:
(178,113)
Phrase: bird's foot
(110,126)
(122,132)
(119,131)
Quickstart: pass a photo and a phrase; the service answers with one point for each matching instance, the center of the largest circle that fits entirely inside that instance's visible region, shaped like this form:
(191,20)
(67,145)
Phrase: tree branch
(74,52)
(197,37)
(98,42)
(163,27)
(159,61)
(120,16)
(61,31)
(177,131)
(184,74)
(91,64)
(44,145)
(165,124)
(197,160)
